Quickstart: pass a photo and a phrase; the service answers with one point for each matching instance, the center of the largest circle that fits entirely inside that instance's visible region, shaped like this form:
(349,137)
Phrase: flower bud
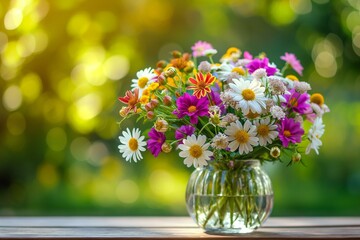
(189,67)
(275,152)
(166,147)
(161,79)
(167,100)
(186,56)
(170,72)
(148,107)
(123,112)
(161,125)
(296,157)
(154,103)
(231,164)
(150,115)
(176,54)
(161,64)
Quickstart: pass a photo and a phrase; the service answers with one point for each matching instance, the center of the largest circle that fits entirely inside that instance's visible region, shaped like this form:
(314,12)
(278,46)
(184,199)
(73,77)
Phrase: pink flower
(290,131)
(291,59)
(247,55)
(188,105)
(200,47)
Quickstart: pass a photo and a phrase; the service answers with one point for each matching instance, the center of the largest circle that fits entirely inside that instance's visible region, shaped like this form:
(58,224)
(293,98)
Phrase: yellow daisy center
(248,94)
(317,98)
(192,109)
(292,77)
(133,144)
(195,151)
(238,70)
(287,133)
(263,130)
(242,136)
(142,82)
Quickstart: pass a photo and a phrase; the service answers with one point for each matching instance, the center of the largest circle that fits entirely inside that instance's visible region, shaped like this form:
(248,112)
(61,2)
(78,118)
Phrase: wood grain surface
(171,228)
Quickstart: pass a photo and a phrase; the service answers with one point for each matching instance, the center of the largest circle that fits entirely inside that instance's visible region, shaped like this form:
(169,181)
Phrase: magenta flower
(297,102)
(261,63)
(184,131)
(291,59)
(188,105)
(200,47)
(155,142)
(290,131)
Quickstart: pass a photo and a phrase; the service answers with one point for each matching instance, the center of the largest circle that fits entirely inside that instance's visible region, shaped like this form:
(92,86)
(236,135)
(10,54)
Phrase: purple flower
(261,63)
(290,131)
(297,101)
(291,59)
(191,106)
(184,131)
(155,142)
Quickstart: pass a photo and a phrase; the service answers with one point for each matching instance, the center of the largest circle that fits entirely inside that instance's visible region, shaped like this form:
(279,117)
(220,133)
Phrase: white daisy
(242,137)
(143,80)
(195,151)
(249,95)
(131,145)
(227,71)
(266,131)
(314,135)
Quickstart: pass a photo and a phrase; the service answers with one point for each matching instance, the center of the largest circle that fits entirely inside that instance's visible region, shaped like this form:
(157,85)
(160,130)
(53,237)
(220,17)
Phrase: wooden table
(170,228)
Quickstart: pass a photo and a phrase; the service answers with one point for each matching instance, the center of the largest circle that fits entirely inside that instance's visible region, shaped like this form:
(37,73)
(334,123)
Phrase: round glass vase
(235,197)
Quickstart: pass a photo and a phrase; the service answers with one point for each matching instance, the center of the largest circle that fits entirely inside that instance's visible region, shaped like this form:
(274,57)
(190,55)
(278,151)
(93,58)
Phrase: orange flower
(131,99)
(201,84)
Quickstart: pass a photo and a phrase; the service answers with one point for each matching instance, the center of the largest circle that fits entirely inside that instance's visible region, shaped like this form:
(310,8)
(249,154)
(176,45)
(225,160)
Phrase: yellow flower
(292,77)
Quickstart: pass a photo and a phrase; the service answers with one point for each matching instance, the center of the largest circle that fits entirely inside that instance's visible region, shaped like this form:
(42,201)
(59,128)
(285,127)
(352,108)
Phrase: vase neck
(233,164)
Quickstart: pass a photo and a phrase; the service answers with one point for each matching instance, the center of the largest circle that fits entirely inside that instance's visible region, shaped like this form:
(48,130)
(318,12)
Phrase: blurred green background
(64,63)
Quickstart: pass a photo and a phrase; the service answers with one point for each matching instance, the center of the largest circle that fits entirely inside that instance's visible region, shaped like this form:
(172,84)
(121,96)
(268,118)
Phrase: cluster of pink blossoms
(241,107)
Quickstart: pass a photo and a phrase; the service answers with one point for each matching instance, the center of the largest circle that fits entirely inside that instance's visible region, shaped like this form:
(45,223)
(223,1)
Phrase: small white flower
(266,131)
(227,119)
(143,80)
(249,95)
(220,141)
(277,112)
(242,137)
(301,87)
(314,135)
(227,99)
(320,110)
(195,151)
(259,73)
(277,87)
(210,52)
(131,145)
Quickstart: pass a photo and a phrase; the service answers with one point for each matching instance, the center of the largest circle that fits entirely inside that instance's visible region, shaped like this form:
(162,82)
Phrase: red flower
(201,84)
(131,99)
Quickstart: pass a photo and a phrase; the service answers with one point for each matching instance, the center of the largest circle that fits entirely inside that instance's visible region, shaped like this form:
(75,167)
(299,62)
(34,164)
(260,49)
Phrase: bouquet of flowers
(239,108)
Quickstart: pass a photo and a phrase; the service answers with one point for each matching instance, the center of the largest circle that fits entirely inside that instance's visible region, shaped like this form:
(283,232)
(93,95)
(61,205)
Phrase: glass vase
(231,197)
